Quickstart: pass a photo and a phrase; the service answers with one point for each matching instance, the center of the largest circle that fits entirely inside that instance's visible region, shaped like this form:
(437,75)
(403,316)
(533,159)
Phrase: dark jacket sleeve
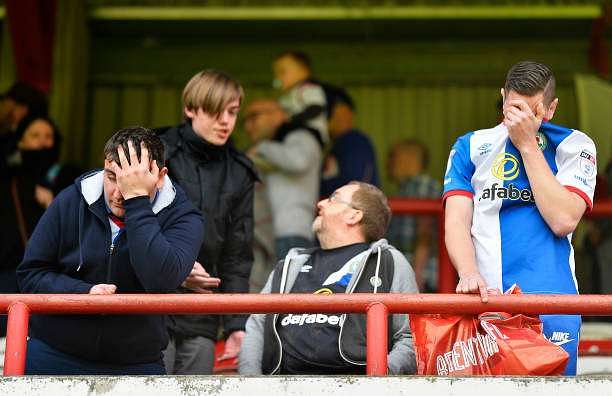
(237,255)
(40,271)
(162,259)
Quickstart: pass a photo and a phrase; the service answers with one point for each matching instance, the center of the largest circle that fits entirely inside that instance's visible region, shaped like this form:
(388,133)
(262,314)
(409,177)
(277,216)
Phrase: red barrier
(375,305)
(595,347)
(376,339)
(447,276)
(17,327)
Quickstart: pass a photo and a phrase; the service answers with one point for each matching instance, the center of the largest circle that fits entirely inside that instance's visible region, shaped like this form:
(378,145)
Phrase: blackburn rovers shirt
(513,243)
(310,341)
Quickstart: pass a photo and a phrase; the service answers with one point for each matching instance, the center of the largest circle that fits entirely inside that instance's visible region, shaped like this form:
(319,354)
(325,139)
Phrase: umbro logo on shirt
(484,148)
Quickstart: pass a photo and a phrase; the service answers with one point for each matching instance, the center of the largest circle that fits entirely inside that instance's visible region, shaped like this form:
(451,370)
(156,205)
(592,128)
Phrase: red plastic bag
(491,344)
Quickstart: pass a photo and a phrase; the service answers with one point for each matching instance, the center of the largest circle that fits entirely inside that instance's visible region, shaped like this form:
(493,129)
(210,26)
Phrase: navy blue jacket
(70,251)
(356,161)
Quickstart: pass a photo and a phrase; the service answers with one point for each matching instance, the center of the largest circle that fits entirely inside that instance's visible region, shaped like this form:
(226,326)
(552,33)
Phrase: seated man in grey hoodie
(352,259)
(289,157)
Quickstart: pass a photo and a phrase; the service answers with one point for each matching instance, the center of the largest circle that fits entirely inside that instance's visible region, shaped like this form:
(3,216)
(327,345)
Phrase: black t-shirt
(310,341)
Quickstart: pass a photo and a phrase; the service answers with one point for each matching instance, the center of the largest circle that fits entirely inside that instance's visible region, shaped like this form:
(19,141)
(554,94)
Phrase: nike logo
(560,338)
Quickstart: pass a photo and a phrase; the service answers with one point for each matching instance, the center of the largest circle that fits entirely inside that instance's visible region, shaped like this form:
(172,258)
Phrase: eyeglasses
(334,198)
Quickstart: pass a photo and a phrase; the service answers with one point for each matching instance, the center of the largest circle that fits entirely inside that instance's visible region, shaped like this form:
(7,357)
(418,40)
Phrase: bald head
(262,118)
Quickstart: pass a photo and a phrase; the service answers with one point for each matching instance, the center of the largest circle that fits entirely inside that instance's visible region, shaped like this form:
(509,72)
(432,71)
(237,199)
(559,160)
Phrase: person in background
(28,184)
(352,156)
(31,177)
(290,159)
(219,180)
(20,101)
(302,98)
(415,236)
(264,251)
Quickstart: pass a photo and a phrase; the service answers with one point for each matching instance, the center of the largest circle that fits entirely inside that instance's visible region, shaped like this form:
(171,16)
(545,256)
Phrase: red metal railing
(376,307)
(19,306)
(447,276)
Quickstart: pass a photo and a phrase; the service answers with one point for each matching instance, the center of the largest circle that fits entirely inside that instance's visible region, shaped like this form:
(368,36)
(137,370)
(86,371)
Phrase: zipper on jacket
(343,318)
(280,345)
(111,251)
(110,262)
(275,317)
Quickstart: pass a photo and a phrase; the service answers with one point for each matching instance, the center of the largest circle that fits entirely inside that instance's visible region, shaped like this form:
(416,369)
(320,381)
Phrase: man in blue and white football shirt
(514,194)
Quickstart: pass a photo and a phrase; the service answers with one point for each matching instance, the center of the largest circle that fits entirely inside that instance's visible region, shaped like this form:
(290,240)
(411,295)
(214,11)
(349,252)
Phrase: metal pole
(16,339)
(447,276)
(585,304)
(376,339)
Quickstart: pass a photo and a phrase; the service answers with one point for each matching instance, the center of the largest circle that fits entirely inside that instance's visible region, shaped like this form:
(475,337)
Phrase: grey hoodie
(401,358)
(293,185)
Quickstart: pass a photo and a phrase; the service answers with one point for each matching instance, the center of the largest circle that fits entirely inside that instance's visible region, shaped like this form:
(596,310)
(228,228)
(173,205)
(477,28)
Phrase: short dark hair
(299,56)
(337,95)
(29,96)
(529,78)
(29,119)
(376,212)
(137,135)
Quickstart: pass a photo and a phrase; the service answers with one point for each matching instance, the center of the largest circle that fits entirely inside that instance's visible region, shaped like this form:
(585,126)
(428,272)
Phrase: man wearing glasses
(352,259)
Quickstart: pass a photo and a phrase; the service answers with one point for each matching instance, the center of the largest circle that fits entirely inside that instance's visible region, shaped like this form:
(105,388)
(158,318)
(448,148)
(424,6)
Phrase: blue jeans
(284,244)
(43,359)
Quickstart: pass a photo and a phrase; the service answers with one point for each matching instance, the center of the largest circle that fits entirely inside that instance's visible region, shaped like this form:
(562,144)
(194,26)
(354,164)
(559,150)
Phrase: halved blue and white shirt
(513,243)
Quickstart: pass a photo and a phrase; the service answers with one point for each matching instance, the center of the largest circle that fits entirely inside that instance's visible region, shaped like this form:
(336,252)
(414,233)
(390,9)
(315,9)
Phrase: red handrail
(376,306)
(19,306)
(447,276)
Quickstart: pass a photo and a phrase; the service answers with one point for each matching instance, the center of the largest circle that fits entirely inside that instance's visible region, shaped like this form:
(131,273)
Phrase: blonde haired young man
(219,180)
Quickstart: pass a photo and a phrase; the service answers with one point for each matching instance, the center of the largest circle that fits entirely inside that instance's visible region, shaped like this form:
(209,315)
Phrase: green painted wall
(430,88)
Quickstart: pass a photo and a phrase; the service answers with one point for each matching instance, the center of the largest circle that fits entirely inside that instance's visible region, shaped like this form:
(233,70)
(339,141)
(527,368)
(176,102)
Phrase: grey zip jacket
(401,358)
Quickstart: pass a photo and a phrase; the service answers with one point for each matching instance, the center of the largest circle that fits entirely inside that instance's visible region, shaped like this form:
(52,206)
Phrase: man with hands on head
(124,229)
(513,196)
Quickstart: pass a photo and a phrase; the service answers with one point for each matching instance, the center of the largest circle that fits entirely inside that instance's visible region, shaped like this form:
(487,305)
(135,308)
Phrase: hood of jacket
(76,232)
(297,257)
(91,187)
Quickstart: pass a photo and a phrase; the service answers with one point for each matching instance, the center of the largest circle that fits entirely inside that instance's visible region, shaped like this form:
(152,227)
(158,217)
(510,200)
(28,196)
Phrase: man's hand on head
(135,178)
(522,123)
(473,283)
(200,281)
(103,288)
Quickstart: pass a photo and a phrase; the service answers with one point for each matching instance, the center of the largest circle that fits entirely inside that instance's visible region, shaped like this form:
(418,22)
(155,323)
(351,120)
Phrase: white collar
(92,188)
